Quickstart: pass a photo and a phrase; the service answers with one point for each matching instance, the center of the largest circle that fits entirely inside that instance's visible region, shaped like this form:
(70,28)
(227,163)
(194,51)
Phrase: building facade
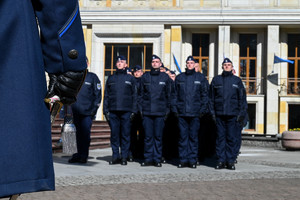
(249,32)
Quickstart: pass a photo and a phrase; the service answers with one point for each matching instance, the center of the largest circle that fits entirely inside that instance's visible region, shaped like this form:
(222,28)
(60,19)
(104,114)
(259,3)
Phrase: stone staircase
(100,135)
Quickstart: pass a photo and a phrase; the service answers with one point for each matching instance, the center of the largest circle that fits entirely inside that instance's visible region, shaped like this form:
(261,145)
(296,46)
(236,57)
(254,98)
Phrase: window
(293,69)
(294,116)
(248,49)
(137,54)
(252,117)
(200,43)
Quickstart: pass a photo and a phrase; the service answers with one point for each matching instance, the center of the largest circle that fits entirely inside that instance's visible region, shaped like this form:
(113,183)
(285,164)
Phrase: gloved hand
(66,85)
(240,120)
(166,116)
(214,119)
(106,116)
(132,116)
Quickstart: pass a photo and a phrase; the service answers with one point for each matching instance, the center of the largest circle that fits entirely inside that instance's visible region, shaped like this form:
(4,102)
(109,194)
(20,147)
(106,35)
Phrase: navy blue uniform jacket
(191,90)
(228,96)
(25,132)
(120,93)
(155,94)
(89,96)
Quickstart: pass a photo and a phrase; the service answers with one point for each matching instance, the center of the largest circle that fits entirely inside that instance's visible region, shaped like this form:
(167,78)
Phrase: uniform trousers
(226,138)
(153,127)
(83,124)
(120,125)
(188,140)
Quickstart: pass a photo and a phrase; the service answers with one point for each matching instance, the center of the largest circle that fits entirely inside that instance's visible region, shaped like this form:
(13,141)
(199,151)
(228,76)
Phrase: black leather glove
(240,120)
(66,85)
(132,116)
(166,116)
(106,116)
(214,119)
(176,114)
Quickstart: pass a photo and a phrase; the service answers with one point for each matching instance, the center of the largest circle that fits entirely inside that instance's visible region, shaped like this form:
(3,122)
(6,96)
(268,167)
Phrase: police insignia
(87,83)
(128,82)
(197,82)
(99,86)
(234,85)
(162,83)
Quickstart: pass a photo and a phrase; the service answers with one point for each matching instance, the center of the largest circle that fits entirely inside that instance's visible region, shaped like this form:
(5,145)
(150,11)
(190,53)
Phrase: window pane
(248,41)
(149,52)
(204,67)
(136,55)
(243,69)
(252,68)
(204,43)
(108,63)
(291,70)
(196,44)
(253,45)
(252,116)
(243,45)
(294,116)
(293,43)
(120,50)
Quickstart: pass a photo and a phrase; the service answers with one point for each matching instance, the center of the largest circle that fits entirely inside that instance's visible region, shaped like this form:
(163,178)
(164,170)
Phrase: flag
(279,60)
(176,63)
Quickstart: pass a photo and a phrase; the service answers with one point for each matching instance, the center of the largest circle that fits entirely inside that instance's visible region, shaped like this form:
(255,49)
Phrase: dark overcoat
(25,131)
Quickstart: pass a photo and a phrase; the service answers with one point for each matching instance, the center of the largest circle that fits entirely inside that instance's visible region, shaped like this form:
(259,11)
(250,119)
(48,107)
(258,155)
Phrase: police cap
(155,57)
(190,58)
(226,60)
(120,57)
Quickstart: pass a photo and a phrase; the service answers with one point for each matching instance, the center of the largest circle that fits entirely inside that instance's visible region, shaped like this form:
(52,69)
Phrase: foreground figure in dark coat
(25,131)
(191,90)
(229,109)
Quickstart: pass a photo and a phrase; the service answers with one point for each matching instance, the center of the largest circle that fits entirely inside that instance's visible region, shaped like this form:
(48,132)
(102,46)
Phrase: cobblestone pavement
(262,173)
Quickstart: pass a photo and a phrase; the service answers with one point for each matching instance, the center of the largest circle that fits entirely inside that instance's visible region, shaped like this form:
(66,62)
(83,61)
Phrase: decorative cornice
(286,16)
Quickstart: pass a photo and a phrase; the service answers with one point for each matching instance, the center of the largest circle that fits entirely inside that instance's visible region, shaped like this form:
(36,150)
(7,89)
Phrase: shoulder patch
(99,86)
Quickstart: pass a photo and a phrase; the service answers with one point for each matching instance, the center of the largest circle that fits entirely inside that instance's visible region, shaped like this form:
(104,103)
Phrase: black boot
(220,165)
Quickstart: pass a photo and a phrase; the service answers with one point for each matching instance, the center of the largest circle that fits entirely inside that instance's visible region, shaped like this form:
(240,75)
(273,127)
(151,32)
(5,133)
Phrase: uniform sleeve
(134,97)
(140,94)
(169,95)
(243,105)
(211,99)
(204,96)
(97,93)
(106,97)
(61,35)
(174,97)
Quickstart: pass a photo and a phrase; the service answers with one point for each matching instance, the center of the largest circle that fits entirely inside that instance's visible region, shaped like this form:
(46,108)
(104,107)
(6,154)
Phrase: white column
(212,56)
(224,45)
(272,88)
(176,44)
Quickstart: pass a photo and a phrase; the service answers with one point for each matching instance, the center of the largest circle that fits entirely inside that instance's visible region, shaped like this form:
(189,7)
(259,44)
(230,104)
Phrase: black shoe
(220,165)
(77,159)
(182,165)
(230,166)
(146,164)
(157,164)
(115,161)
(124,161)
(193,165)
(130,159)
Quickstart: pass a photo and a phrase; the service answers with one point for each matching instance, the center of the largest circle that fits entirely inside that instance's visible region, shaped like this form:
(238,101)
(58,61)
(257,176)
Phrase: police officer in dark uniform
(155,103)
(84,111)
(137,134)
(191,102)
(229,105)
(120,104)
